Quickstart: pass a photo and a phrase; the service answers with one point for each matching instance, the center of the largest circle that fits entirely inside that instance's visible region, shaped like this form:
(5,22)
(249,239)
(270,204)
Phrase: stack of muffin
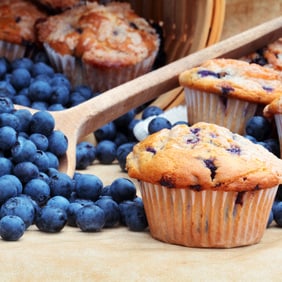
(94,44)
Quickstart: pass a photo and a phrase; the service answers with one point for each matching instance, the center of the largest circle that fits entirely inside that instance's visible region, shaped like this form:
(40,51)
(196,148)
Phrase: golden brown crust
(203,157)
(108,36)
(234,78)
(273,54)
(275,107)
(17,19)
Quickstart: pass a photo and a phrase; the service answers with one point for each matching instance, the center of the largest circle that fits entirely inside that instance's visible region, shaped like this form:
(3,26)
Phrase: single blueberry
(42,122)
(277,212)
(24,117)
(42,68)
(106,132)
(61,184)
(40,91)
(84,90)
(20,78)
(53,160)
(111,210)
(6,166)
(3,66)
(76,98)
(122,152)
(41,160)
(158,124)
(22,63)
(85,154)
(20,206)
(58,202)
(71,211)
(124,120)
(26,171)
(6,105)
(21,100)
(133,215)
(106,151)
(151,111)
(122,189)
(258,127)
(7,90)
(38,190)
(121,138)
(60,79)
(10,119)
(90,218)
(12,228)
(58,143)
(8,137)
(41,141)
(88,186)
(23,150)
(60,95)
(8,189)
(56,107)
(50,219)
(15,180)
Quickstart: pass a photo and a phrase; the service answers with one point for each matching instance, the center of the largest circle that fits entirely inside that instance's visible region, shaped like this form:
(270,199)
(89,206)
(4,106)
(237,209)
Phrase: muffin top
(236,79)
(273,54)
(17,19)
(203,157)
(102,35)
(274,108)
(57,5)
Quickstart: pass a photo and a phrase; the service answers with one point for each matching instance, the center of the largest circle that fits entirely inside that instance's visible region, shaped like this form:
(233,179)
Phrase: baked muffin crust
(235,78)
(106,36)
(17,20)
(203,157)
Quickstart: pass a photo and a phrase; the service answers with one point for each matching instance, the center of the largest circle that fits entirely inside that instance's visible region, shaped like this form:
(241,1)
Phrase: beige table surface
(118,254)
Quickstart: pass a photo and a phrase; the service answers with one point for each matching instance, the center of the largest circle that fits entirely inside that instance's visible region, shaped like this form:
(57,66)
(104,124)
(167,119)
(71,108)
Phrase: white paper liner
(97,78)
(278,123)
(11,51)
(211,219)
(230,113)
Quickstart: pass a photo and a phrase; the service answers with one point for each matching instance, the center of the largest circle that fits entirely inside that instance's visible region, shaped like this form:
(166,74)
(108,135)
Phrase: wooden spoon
(83,119)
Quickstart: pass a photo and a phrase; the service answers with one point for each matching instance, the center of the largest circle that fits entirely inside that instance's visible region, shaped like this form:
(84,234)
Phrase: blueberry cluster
(32,82)
(114,141)
(34,191)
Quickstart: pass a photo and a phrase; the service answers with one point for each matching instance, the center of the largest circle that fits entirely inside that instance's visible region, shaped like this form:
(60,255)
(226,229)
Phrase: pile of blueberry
(260,130)
(32,82)
(34,191)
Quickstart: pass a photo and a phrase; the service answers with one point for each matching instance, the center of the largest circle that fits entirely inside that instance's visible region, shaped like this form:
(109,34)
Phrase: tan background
(243,14)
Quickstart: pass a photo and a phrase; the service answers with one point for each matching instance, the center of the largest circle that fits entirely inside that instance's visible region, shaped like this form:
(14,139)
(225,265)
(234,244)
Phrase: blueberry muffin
(273,54)
(100,45)
(204,186)
(274,111)
(17,33)
(228,91)
(56,6)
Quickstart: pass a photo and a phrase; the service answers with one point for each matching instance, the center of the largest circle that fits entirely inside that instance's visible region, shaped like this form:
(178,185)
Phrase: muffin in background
(17,33)
(204,186)
(56,6)
(228,92)
(274,111)
(99,45)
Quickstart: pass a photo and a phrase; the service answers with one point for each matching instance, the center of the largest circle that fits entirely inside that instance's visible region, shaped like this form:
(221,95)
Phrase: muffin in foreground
(99,45)
(228,92)
(204,186)
(17,34)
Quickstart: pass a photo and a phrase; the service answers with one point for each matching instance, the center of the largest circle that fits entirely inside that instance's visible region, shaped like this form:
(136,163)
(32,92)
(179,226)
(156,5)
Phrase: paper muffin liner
(228,112)
(206,219)
(99,79)
(11,51)
(278,124)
